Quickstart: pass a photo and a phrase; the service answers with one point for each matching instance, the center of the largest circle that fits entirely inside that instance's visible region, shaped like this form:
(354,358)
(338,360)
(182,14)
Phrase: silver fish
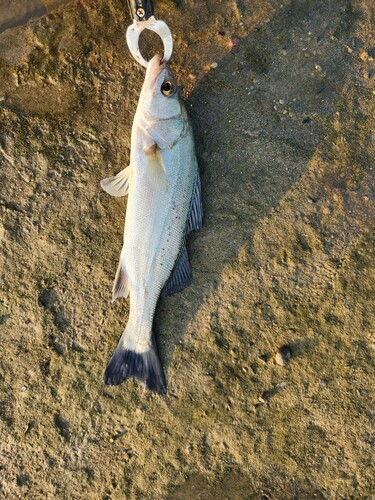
(164,206)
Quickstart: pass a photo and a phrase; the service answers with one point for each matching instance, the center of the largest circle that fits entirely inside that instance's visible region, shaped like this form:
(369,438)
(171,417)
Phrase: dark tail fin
(145,367)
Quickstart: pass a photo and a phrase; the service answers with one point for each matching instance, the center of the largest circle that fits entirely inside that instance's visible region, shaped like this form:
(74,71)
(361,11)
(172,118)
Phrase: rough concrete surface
(269,355)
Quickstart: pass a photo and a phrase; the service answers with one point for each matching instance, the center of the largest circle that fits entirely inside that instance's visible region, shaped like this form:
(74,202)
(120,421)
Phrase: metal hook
(160,27)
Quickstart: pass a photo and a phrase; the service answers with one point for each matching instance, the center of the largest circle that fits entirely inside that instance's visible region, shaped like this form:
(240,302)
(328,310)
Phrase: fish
(164,206)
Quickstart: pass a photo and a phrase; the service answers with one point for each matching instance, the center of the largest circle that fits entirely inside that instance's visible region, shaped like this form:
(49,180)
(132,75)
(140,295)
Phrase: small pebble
(272,392)
(356,43)
(58,348)
(214,65)
(23,388)
(119,435)
(77,347)
(283,355)
(282,385)
(22,479)
(234,41)
(4,318)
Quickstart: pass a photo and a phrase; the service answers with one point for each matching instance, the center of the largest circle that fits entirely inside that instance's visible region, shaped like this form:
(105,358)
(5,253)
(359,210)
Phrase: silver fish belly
(164,206)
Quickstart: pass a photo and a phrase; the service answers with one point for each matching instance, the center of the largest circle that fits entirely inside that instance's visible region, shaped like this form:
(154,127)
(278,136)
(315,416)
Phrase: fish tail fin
(121,285)
(144,367)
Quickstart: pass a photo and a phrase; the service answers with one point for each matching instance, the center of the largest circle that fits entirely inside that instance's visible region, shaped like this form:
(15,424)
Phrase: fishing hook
(143,18)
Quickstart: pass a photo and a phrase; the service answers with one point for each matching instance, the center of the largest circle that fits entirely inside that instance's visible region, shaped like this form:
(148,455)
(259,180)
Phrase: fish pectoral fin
(156,170)
(181,275)
(121,286)
(194,222)
(118,185)
(154,157)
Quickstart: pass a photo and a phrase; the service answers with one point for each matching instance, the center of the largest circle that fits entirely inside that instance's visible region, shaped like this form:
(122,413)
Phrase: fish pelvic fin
(118,185)
(154,164)
(144,367)
(121,285)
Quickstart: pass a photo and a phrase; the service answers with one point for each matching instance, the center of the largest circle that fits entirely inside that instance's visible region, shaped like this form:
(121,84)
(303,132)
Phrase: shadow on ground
(258,120)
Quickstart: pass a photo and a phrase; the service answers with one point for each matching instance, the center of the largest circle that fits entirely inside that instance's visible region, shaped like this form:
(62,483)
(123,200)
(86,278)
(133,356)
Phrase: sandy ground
(284,132)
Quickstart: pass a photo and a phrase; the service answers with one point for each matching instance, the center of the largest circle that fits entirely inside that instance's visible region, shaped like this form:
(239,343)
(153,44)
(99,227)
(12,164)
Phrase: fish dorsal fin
(155,166)
(194,222)
(181,275)
(118,185)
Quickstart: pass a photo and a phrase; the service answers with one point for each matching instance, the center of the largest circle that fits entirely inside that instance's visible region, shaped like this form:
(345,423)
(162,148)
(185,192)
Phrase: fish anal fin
(118,185)
(181,275)
(121,285)
(194,222)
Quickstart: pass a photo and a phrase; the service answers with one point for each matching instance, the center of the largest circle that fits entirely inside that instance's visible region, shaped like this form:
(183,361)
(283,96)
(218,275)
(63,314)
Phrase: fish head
(159,96)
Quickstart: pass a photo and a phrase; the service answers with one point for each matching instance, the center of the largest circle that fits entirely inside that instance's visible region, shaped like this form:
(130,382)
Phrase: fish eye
(168,88)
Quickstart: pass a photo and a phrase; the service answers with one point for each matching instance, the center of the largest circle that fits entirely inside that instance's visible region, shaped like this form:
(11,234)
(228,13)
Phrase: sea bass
(164,205)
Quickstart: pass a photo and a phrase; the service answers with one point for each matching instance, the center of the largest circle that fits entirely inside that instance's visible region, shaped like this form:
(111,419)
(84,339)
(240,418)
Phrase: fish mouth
(156,67)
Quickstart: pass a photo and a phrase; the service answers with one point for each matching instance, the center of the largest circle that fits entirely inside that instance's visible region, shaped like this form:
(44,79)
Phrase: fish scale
(149,265)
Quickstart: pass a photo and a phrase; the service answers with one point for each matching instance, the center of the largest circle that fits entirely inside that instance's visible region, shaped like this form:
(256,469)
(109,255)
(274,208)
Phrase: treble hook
(143,18)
